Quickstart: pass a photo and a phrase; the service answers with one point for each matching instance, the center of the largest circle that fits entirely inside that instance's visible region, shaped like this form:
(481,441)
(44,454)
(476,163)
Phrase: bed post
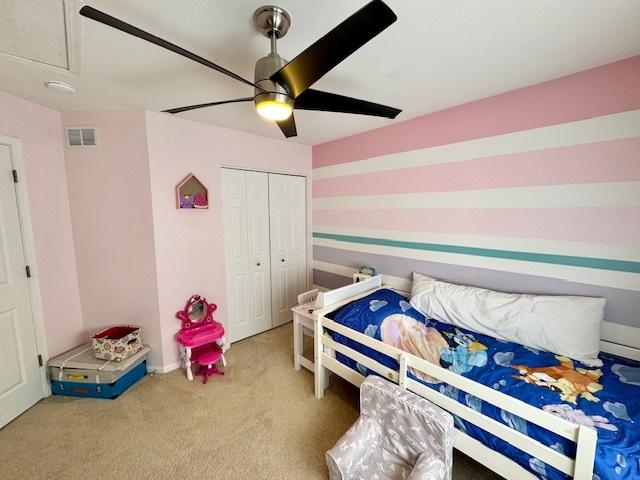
(585,453)
(319,371)
(402,372)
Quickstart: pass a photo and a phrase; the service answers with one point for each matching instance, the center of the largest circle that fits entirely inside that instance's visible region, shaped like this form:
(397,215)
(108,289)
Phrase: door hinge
(15,176)
(40,363)
(28,270)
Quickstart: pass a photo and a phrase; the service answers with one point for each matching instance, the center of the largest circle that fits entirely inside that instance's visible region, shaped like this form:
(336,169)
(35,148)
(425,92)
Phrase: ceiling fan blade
(308,67)
(332,102)
(288,127)
(106,19)
(211,104)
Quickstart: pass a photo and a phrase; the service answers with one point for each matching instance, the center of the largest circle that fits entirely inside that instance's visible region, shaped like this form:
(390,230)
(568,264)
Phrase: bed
(507,414)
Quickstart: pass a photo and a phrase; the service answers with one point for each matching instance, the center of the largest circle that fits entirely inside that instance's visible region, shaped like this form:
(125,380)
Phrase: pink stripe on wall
(610,161)
(619,225)
(599,91)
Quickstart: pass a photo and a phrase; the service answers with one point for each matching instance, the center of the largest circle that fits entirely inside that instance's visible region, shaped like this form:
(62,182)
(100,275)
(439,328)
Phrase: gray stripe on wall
(329,280)
(623,306)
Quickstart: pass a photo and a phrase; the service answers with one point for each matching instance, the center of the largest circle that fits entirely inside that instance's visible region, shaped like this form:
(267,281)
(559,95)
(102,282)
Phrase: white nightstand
(303,324)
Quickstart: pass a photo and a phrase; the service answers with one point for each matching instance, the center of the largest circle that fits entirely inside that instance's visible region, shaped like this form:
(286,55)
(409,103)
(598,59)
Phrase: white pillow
(564,325)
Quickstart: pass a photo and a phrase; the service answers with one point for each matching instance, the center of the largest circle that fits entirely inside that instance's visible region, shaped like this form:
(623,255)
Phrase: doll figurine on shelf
(186,201)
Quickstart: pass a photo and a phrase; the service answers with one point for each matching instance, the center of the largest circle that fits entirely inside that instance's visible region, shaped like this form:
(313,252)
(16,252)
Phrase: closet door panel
(287,199)
(246,233)
(258,240)
(280,291)
(240,315)
(296,239)
(237,256)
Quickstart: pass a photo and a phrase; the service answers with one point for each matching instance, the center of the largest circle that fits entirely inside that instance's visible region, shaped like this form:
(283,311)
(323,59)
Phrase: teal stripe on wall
(587,262)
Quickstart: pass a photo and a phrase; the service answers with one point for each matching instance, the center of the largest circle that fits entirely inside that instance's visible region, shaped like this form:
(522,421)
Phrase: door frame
(307,226)
(28,245)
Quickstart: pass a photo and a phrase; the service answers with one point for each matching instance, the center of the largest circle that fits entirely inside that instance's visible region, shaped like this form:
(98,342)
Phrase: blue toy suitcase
(78,374)
(100,390)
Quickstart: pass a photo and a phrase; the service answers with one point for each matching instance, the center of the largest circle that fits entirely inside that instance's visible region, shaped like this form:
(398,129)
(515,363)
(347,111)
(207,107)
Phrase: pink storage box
(117,343)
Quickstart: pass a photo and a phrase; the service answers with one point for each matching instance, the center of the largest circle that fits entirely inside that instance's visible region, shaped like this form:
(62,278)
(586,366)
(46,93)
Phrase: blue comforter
(606,398)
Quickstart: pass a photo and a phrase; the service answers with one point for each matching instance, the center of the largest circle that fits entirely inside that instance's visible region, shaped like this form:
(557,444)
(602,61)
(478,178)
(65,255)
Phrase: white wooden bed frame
(621,341)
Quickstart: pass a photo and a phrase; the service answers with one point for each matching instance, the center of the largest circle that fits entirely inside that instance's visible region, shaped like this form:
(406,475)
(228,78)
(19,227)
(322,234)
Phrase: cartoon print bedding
(606,398)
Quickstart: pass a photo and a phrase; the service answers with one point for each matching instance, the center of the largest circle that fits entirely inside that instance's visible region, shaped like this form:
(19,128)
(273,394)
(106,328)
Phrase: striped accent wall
(535,190)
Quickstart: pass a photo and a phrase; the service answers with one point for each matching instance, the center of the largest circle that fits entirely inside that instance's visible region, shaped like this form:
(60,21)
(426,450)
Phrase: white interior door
(287,208)
(246,235)
(20,383)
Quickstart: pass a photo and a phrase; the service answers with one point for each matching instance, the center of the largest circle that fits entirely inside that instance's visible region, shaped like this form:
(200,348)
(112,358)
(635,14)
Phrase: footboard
(580,468)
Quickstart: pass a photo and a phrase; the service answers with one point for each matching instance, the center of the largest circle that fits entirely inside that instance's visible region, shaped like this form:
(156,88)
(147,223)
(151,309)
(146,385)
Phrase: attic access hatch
(41,33)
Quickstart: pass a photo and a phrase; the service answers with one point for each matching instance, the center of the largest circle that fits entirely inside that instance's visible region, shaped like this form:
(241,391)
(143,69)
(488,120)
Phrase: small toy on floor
(77,373)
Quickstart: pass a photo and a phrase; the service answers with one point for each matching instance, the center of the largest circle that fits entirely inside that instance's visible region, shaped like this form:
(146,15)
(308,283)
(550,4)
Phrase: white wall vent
(81,136)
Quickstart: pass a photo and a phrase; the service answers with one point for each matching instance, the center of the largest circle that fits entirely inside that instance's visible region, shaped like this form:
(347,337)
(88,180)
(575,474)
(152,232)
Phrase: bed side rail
(580,468)
(346,293)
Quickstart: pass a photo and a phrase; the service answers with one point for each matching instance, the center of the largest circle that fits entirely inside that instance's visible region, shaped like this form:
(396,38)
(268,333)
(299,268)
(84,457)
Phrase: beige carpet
(259,421)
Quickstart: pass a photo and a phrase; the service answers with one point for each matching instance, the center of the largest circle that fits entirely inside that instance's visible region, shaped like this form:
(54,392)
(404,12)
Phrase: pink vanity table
(200,334)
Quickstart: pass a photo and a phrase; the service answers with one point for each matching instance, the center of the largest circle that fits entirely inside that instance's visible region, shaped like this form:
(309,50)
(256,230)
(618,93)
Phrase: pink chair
(207,361)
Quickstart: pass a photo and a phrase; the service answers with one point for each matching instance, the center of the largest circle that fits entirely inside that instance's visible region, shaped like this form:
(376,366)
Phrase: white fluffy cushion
(564,325)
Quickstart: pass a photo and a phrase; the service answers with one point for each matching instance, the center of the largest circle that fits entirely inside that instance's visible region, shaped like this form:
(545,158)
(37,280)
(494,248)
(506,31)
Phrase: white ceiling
(439,53)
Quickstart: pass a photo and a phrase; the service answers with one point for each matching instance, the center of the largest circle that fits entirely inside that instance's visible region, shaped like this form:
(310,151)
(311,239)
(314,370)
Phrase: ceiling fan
(280,86)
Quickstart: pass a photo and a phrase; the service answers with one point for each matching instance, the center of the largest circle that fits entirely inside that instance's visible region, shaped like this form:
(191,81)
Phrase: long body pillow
(564,325)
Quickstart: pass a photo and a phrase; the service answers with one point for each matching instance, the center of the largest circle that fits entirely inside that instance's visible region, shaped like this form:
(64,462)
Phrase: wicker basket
(117,343)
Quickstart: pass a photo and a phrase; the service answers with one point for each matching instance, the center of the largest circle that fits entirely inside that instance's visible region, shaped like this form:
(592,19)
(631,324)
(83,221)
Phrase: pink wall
(38,128)
(110,199)
(602,90)
(138,257)
(535,190)
(189,244)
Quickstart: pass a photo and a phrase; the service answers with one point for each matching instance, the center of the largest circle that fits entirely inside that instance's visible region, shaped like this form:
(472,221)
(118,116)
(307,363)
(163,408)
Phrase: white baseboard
(164,369)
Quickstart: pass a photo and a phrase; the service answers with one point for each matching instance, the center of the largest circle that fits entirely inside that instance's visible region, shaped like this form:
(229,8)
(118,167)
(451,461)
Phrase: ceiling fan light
(274,110)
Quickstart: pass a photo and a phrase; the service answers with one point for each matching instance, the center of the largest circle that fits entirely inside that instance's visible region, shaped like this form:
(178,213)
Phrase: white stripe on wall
(534,245)
(597,129)
(592,276)
(611,194)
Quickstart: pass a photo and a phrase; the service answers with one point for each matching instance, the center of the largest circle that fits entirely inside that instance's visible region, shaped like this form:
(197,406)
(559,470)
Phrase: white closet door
(246,235)
(20,384)
(287,200)
(258,245)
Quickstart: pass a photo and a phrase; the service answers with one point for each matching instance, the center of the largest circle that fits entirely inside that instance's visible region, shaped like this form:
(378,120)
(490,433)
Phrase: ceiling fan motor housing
(272,21)
(268,89)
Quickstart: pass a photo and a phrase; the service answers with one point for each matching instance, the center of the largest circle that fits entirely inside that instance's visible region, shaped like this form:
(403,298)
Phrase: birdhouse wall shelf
(191,193)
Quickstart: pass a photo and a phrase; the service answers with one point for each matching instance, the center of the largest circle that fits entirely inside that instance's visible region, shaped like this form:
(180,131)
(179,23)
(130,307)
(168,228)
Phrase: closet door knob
(282,260)
(258,264)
